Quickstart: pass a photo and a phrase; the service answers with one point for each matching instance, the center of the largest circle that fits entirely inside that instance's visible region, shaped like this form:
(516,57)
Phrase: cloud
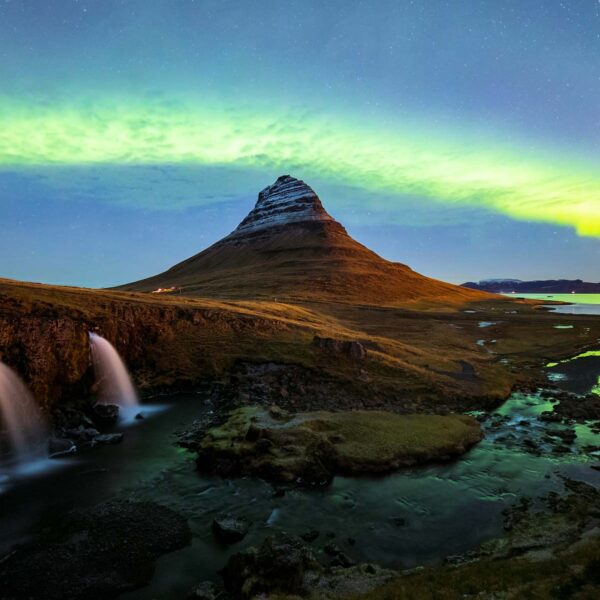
(163,147)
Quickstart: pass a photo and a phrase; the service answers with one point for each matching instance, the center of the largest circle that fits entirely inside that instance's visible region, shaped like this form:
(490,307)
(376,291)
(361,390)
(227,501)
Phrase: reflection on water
(413,517)
(581,304)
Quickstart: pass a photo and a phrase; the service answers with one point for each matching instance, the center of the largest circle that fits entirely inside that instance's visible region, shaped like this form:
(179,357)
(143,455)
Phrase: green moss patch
(310,448)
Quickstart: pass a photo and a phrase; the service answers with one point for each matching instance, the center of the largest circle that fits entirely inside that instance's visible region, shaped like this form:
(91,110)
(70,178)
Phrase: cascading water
(21,424)
(112,379)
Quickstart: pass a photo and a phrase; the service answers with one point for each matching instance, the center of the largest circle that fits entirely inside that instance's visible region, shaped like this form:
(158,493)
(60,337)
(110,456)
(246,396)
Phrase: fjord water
(415,516)
(21,423)
(581,304)
(112,378)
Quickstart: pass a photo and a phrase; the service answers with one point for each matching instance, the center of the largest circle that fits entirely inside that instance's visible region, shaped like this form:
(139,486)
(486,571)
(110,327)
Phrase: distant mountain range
(547,286)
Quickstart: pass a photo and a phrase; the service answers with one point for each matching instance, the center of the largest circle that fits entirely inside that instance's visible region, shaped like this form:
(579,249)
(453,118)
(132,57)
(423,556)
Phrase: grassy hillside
(420,355)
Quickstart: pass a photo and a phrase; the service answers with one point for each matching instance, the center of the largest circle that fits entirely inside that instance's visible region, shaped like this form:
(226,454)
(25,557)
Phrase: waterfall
(20,418)
(112,378)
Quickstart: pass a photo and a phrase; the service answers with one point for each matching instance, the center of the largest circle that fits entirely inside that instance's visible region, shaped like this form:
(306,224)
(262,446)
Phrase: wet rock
(567,435)
(207,590)
(108,438)
(229,529)
(81,434)
(94,553)
(105,415)
(515,514)
(278,565)
(578,408)
(58,447)
(139,416)
(531,446)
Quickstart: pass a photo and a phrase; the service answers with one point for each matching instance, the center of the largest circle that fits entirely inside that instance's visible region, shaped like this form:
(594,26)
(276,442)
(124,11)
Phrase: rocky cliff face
(287,201)
(44,337)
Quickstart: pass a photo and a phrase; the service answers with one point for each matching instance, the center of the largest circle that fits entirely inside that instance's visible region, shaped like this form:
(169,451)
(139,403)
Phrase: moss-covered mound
(310,448)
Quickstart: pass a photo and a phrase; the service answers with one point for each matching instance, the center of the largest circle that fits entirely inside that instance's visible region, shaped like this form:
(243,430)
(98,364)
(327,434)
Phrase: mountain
(547,286)
(289,248)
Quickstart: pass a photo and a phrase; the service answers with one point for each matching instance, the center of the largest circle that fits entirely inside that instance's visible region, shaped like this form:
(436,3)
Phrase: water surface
(581,304)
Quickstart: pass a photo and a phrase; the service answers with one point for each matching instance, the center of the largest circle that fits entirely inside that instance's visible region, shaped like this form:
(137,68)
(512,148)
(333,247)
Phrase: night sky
(462,138)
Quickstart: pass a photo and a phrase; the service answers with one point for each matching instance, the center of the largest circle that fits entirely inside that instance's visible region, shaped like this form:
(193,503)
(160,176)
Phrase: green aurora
(451,167)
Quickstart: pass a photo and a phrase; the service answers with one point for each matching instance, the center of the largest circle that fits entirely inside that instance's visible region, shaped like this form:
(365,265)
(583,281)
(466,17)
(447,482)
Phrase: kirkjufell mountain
(289,248)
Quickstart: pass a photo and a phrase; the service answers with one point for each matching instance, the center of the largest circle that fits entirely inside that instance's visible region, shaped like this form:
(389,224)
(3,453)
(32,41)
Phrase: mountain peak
(288,200)
(289,248)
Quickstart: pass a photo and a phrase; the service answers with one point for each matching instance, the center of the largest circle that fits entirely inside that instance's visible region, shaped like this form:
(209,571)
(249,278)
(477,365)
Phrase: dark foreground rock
(283,565)
(95,553)
(310,448)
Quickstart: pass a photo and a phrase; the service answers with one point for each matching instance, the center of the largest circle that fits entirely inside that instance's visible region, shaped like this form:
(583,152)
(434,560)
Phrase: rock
(81,434)
(206,590)
(310,536)
(341,559)
(58,447)
(332,549)
(228,529)
(98,552)
(567,435)
(108,438)
(278,565)
(139,416)
(351,349)
(578,408)
(105,414)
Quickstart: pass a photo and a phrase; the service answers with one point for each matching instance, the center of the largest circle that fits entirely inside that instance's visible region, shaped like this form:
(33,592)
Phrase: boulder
(58,447)
(108,438)
(105,415)
(99,552)
(278,565)
(81,434)
(229,529)
(206,590)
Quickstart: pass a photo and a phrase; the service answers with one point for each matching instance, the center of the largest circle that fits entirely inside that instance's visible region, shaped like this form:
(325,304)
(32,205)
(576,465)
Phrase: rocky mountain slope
(289,248)
(288,309)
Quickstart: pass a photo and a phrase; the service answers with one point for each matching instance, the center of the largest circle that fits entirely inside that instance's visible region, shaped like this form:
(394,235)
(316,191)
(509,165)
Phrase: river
(415,516)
